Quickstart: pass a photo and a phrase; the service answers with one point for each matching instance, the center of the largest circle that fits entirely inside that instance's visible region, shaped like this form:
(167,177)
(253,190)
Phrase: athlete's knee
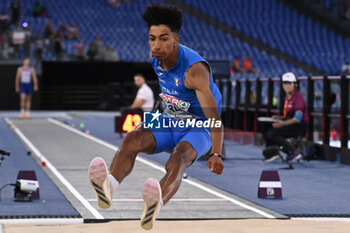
(137,141)
(185,153)
(132,141)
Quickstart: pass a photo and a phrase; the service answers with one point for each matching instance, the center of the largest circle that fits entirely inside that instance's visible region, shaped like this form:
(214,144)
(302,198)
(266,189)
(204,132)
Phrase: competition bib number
(175,107)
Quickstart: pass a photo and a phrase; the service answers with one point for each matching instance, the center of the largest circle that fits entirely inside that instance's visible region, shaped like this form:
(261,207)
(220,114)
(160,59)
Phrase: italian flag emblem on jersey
(177,82)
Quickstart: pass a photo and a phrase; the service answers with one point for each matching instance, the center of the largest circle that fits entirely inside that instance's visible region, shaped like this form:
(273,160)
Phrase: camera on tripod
(26,186)
(24,189)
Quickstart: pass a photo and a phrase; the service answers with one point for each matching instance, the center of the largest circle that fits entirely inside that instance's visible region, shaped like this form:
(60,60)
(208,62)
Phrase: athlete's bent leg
(182,156)
(139,140)
(104,184)
(155,194)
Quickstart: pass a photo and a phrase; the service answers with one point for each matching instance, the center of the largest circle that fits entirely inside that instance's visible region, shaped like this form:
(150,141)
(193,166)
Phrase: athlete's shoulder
(190,53)
(189,56)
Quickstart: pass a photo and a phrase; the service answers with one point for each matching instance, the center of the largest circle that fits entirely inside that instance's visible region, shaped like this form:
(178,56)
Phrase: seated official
(295,120)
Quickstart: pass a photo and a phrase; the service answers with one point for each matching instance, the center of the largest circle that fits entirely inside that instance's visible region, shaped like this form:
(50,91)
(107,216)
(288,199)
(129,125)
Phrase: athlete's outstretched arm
(197,77)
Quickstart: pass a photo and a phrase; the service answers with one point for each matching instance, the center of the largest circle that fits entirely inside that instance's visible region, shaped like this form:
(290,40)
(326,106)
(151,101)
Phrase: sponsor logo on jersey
(168,99)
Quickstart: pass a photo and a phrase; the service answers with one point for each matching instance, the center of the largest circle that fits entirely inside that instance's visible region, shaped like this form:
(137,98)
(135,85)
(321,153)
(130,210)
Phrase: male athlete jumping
(188,90)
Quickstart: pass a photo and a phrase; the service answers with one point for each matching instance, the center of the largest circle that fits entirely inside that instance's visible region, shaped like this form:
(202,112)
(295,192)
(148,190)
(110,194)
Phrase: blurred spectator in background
(248,65)
(80,56)
(39,10)
(114,3)
(334,133)
(346,9)
(111,54)
(73,32)
(4,22)
(346,68)
(27,41)
(49,30)
(2,41)
(7,50)
(15,12)
(100,48)
(144,98)
(18,39)
(252,97)
(58,47)
(39,47)
(62,31)
(92,51)
(236,65)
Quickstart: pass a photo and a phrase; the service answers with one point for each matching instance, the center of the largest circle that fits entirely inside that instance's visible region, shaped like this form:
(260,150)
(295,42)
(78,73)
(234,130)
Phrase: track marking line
(54,170)
(159,168)
(171,200)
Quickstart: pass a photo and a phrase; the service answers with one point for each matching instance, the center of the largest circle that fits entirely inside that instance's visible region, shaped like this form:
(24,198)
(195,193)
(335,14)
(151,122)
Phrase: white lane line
(159,168)
(239,203)
(54,170)
(171,200)
(56,122)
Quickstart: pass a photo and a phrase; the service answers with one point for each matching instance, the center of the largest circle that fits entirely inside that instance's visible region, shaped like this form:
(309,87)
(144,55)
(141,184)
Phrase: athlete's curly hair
(157,14)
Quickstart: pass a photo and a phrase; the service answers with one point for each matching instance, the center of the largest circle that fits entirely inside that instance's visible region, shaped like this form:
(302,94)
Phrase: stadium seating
(124,28)
(282,28)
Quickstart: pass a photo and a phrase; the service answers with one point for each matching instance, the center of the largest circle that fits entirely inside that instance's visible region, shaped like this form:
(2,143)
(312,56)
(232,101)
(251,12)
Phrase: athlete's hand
(17,89)
(35,88)
(215,164)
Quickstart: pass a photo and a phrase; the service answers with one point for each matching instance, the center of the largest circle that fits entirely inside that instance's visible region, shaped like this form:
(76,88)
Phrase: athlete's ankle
(114,183)
(160,206)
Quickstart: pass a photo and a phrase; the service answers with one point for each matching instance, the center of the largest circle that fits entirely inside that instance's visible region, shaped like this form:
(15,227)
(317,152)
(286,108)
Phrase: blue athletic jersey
(181,101)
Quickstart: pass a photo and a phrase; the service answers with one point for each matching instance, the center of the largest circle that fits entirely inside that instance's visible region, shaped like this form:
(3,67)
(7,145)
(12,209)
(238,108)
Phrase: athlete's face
(26,62)
(162,41)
